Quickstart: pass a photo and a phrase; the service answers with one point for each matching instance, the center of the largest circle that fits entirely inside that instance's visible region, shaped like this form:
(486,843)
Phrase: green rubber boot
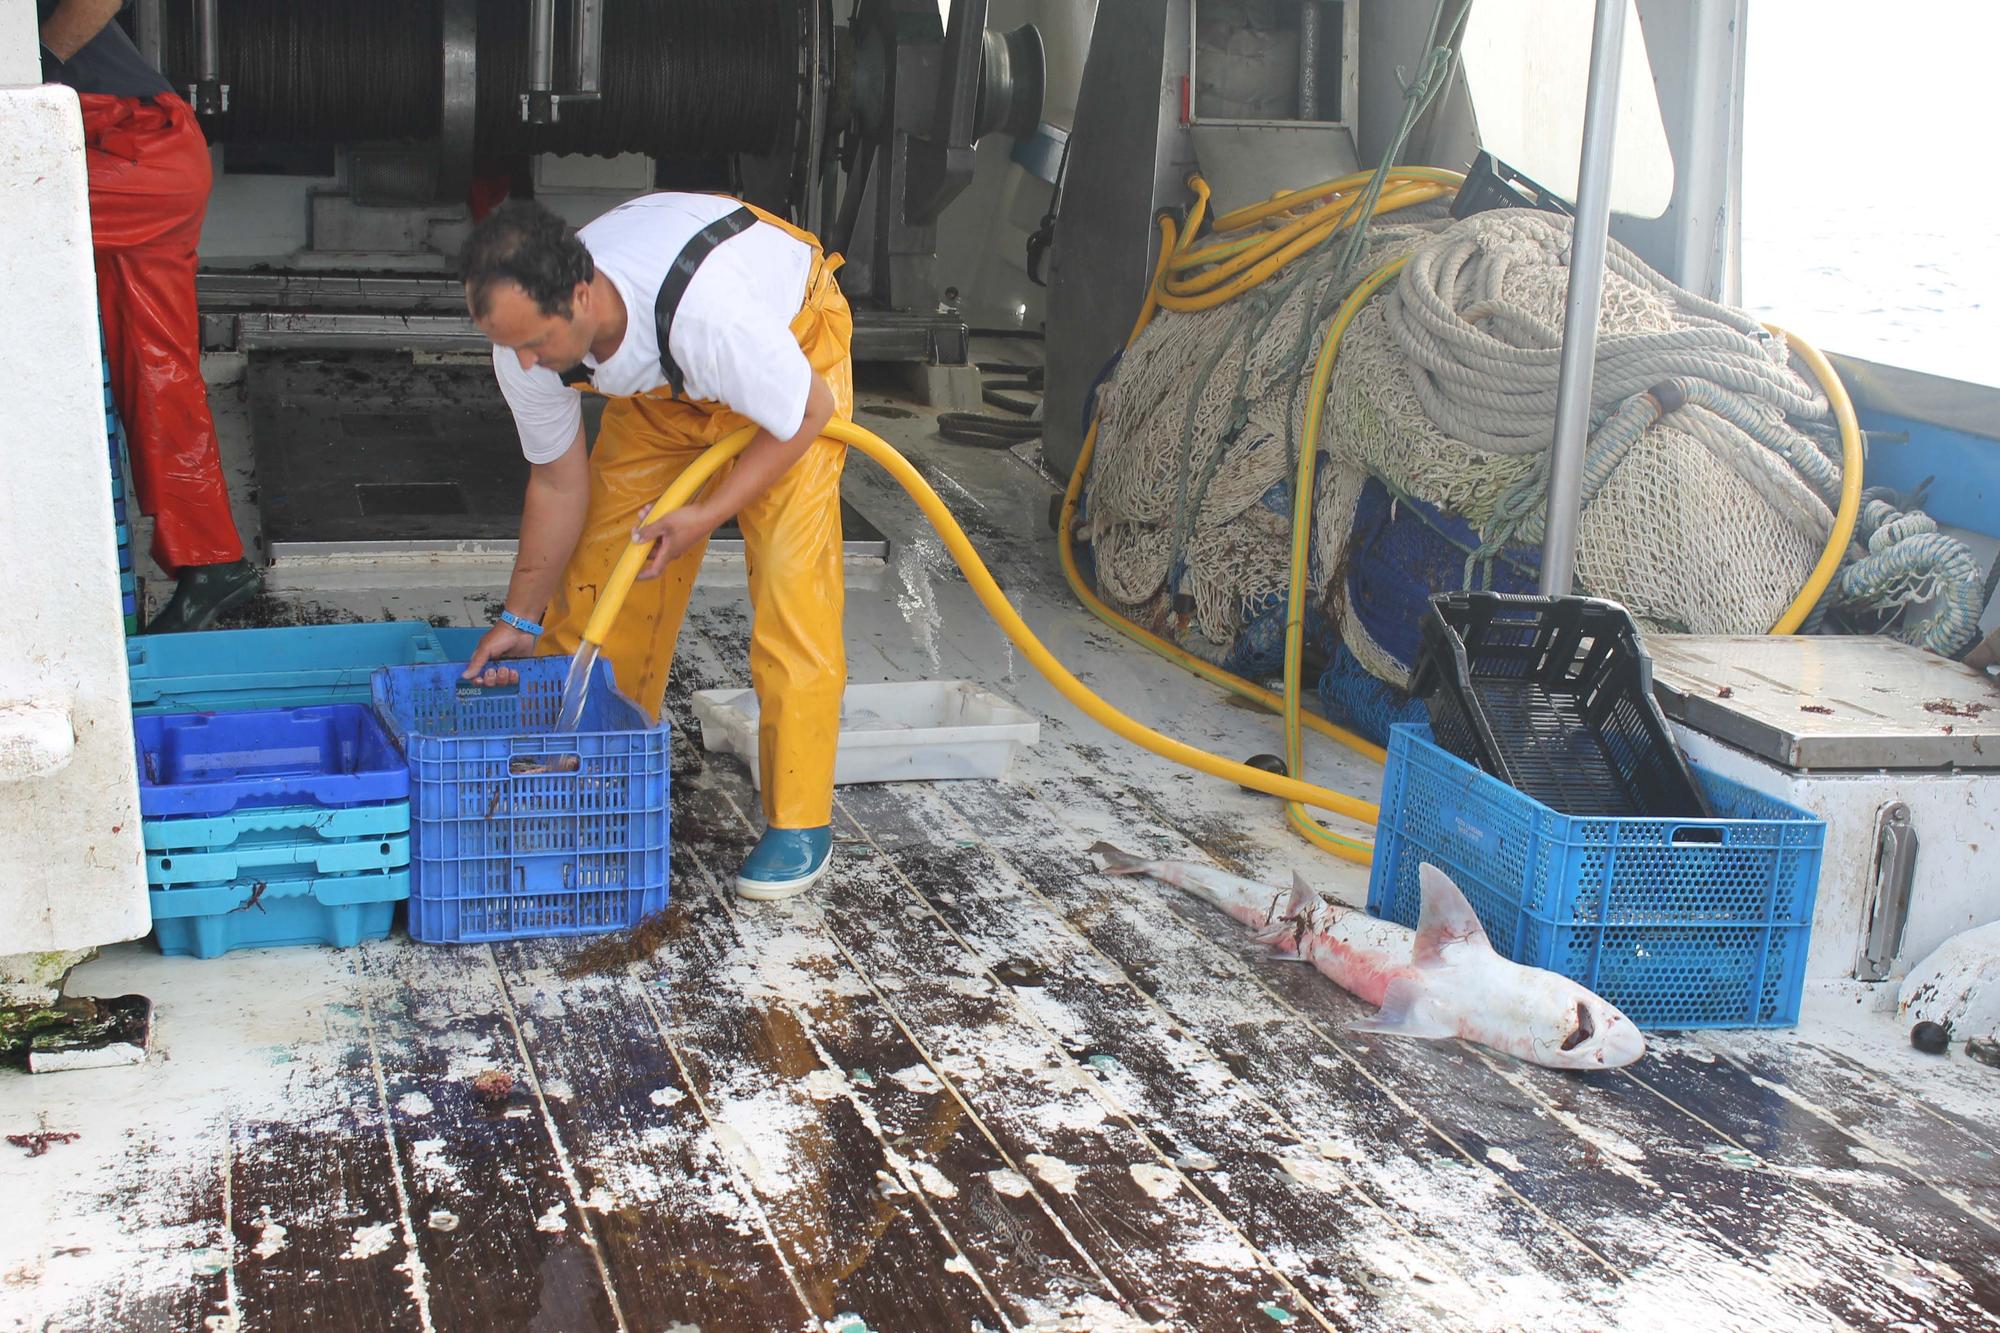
(204,594)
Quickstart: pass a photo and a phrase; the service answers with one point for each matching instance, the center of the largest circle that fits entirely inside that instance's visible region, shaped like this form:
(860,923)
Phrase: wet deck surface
(966,1084)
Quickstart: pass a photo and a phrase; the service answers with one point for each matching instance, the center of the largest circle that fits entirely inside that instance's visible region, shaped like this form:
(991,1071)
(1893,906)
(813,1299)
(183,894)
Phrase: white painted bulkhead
(72,873)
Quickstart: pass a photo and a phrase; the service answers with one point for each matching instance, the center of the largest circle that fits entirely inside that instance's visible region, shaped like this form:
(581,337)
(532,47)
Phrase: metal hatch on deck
(391,453)
(1830,703)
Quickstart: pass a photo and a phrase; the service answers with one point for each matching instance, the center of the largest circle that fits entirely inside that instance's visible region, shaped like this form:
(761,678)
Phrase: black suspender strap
(680,273)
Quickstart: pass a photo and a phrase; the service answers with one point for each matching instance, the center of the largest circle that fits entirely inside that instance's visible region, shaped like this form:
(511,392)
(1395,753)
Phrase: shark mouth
(1585,1028)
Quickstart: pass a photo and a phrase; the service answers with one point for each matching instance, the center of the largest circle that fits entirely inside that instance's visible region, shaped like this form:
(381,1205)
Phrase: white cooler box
(904,731)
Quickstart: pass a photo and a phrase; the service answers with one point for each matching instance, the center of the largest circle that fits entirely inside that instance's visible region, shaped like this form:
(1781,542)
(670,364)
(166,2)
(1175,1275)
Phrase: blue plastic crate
(1681,923)
(213,763)
(232,670)
(337,910)
(518,832)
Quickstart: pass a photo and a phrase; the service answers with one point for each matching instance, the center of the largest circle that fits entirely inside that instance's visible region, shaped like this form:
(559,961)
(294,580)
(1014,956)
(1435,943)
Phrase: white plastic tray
(904,731)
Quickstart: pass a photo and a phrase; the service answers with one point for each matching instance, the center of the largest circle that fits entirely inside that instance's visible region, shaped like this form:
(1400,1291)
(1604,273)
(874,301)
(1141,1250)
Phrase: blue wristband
(520,623)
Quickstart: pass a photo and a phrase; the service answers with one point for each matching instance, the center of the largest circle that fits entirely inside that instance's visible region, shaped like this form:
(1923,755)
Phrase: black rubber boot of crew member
(204,594)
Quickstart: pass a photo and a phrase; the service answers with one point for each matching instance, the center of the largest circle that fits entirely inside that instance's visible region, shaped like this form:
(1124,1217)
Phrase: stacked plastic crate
(272,827)
(1549,787)
(128,583)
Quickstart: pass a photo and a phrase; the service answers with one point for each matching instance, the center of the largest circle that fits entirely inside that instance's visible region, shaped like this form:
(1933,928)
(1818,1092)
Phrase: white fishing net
(1696,514)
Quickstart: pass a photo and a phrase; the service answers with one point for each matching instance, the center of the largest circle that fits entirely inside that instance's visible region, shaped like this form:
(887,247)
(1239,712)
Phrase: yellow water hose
(1303,491)
(1852,464)
(696,476)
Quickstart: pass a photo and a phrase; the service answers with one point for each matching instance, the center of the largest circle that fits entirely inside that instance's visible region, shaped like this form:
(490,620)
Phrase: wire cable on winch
(321,73)
(691,78)
(694,78)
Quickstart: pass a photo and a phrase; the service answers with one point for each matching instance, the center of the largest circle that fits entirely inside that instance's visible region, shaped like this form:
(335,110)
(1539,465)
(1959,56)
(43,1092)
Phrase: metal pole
(1309,22)
(586,48)
(209,94)
(208,27)
(1588,242)
(146,33)
(538,104)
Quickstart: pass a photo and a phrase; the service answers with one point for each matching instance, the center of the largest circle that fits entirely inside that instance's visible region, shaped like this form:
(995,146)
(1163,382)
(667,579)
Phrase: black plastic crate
(1490,183)
(1553,696)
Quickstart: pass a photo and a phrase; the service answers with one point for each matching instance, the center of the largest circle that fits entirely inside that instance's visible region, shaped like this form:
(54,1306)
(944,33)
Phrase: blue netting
(1401,553)
(1349,695)
(1260,649)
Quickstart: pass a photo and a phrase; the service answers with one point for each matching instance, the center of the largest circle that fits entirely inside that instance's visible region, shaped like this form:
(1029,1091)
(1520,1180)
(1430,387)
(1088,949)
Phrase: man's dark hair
(523,243)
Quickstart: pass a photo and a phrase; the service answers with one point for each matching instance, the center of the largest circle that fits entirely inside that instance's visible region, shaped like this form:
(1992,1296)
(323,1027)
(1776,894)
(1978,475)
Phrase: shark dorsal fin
(1444,919)
(1303,897)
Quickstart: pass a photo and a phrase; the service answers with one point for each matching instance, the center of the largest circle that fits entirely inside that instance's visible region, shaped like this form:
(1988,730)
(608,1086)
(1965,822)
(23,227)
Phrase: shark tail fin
(1112,861)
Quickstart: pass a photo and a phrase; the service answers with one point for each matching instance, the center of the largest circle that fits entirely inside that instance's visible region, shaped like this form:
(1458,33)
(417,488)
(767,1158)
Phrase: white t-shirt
(731,335)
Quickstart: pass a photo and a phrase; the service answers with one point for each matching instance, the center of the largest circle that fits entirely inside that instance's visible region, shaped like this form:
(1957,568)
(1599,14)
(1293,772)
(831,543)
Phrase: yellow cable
(1335,205)
(1852,464)
(1290,199)
(697,474)
(1258,264)
(1302,515)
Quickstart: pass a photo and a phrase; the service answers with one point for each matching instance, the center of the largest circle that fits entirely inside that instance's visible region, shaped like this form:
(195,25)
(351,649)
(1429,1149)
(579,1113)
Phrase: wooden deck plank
(1927,1243)
(1016,1246)
(815,1167)
(1884,1118)
(1865,1277)
(1463,1210)
(170,1243)
(1298,1211)
(681,1235)
(1655,1239)
(480,1174)
(1172,1257)
(1143,1244)
(318,1221)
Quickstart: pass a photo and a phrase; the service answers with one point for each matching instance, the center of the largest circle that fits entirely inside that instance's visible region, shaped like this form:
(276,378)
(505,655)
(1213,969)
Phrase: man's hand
(500,641)
(673,535)
(754,472)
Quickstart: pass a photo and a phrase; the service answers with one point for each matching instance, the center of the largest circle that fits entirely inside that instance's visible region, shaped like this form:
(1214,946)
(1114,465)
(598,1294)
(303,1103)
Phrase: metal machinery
(863,132)
(1261,95)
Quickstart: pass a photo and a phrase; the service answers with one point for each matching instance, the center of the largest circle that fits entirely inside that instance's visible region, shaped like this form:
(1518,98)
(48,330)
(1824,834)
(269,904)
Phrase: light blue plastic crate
(220,671)
(311,822)
(282,843)
(337,910)
(1681,923)
(518,832)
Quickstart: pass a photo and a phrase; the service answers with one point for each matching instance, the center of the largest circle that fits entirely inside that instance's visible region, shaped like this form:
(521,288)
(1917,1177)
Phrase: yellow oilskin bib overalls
(792,540)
